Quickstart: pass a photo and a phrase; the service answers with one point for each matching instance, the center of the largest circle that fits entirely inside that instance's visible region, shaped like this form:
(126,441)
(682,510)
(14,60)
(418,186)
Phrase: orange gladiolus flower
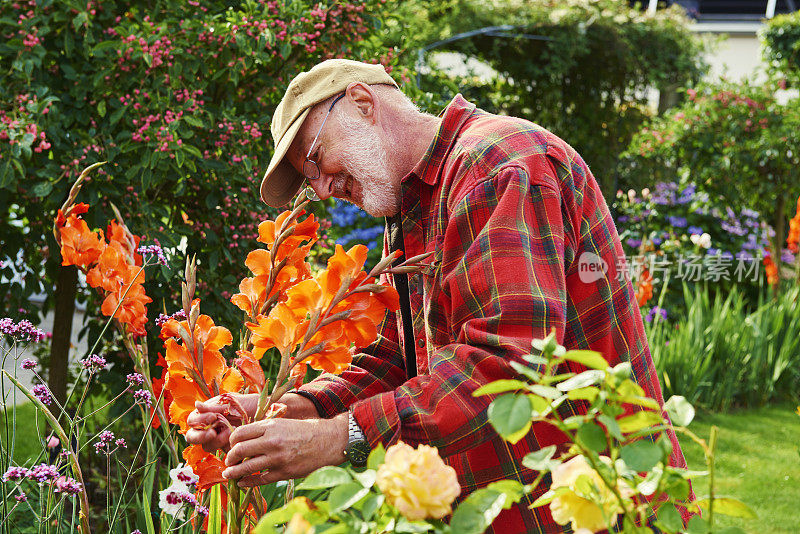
(771,270)
(281,329)
(132,310)
(793,241)
(251,370)
(644,291)
(113,270)
(79,245)
(205,465)
(305,230)
(251,297)
(128,241)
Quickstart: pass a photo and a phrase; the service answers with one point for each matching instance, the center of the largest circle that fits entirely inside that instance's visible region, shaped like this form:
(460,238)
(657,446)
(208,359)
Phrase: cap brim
(281,182)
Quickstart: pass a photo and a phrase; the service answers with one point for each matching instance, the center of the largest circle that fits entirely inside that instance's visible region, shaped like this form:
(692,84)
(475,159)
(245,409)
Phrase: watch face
(358,452)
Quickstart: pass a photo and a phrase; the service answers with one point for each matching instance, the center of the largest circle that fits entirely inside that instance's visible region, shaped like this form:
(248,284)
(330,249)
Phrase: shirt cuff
(324,397)
(378,418)
(314,401)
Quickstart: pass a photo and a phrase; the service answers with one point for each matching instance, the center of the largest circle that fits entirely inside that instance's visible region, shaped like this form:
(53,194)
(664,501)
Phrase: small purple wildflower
(179,315)
(21,331)
(143,396)
(94,363)
(21,497)
(694,230)
(15,473)
(787,256)
(137,531)
(655,310)
(27,363)
(634,243)
(41,392)
(677,222)
(43,473)
(188,498)
(154,250)
(202,510)
(134,379)
(68,486)
(121,443)
(104,439)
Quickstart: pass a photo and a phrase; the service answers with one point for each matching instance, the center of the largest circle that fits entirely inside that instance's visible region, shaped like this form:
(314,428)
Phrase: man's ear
(364,99)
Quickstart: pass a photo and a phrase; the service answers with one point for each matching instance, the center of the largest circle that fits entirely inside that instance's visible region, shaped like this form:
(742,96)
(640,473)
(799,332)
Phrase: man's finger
(247,467)
(198,437)
(201,418)
(248,432)
(210,406)
(246,449)
(257,480)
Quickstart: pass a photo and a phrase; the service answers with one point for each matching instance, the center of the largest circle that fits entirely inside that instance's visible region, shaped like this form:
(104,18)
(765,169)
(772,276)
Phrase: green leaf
(371,505)
(729,506)
(215,511)
(367,477)
(731,530)
(193,150)
(642,455)
(283,514)
(589,394)
(527,372)
(179,157)
(587,358)
(541,460)
(101,108)
(679,410)
(80,19)
(325,477)
(116,116)
(42,189)
(591,436)
(148,517)
(539,404)
(548,496)
(476,513)
(6,175)
(344,496)
(376,457)
(513,490)
(645,402)
(148,58)
(697,525)
(511,415)
(499,386)
(546,391)
(639,420)
(535,359)
(611,426)
(582,380)
(191,120)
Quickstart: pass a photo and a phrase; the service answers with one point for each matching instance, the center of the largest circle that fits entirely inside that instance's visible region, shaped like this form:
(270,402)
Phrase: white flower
(705,240)
(170,501)
(184,475)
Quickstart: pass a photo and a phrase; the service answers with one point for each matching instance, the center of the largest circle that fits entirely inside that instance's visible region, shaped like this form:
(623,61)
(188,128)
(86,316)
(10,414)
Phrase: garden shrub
(177,97)
(781,46)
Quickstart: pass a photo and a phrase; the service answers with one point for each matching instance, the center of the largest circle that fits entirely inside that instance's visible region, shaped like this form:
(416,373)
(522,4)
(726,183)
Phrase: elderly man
(522,242)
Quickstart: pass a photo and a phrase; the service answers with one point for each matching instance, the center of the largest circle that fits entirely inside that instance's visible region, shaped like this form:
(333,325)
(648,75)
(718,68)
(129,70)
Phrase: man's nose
(322,186)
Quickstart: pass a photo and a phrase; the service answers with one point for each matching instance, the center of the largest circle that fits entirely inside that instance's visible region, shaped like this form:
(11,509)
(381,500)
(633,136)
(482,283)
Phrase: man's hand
(284,448)
(206,429)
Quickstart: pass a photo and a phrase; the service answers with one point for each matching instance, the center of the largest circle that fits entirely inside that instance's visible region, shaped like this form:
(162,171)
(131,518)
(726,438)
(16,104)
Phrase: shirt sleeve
(377,369)
(502,283)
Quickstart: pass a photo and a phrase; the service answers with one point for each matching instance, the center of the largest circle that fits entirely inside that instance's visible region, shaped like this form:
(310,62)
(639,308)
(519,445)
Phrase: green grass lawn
(30,427)
(758,462)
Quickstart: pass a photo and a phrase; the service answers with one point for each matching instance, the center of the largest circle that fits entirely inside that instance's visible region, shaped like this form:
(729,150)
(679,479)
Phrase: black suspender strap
(394,230)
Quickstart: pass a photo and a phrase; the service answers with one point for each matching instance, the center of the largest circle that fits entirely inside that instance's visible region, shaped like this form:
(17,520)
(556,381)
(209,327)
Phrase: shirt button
(420,343)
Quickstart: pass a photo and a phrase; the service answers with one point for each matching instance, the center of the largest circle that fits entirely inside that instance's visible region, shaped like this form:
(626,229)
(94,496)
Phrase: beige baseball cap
(281,181)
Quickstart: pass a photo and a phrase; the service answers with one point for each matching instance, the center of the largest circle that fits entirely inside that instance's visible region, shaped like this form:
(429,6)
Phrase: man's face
(353,162)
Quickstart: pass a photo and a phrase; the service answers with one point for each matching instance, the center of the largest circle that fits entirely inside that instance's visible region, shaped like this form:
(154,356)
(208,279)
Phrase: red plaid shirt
(508,209)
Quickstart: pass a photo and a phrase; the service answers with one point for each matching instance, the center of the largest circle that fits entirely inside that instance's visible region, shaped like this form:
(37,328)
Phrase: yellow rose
(591,514)
(299,525)
(417,482)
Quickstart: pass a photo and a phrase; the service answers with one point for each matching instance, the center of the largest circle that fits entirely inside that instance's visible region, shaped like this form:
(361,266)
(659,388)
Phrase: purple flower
(179,315)
(21,331)
(94,363)
(652,313)
(154,250)
(143,396)
(27,363)
(787,256)
(188,498)
(21,497)
(657,241)
(202,510)
(622,219)
(134,379)
(137,531)
(68,486)
(104,439)
(121,443)
(677,222)
(634,243)
(41,392)
(695,230)
(15,473)
(43,473)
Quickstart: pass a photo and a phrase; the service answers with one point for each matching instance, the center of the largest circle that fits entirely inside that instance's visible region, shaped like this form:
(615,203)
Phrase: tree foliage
(177,97)
(579,68)
(781,50)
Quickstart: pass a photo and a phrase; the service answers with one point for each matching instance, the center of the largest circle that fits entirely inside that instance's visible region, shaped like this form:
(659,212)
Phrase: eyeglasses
(311,170)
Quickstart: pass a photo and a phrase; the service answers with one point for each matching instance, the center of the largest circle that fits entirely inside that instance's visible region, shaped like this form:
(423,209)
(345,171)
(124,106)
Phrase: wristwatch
(357,450)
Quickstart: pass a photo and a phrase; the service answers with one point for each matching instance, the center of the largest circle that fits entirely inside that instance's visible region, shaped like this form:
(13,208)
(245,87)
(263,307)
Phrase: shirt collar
(453,118)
